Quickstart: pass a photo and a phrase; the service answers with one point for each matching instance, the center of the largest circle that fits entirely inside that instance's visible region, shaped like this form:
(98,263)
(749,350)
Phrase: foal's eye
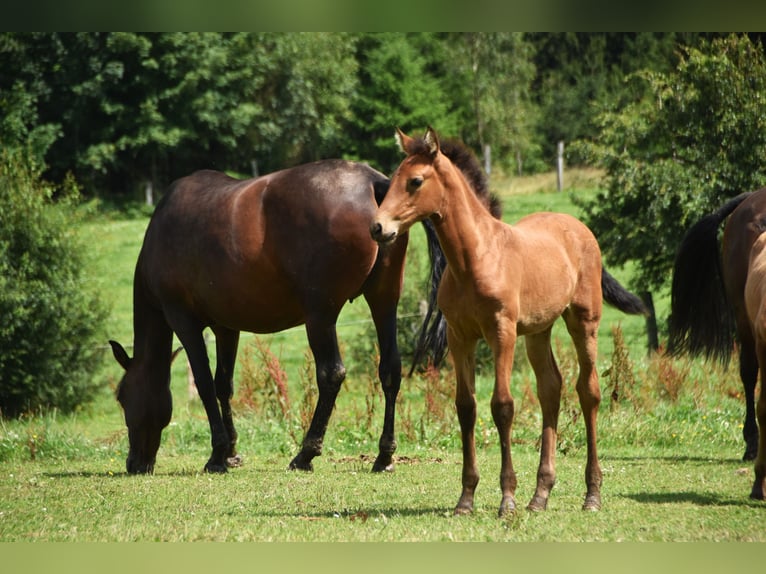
(415,183)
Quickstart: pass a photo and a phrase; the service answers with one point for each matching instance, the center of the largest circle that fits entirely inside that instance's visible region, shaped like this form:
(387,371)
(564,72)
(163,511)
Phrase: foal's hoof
(507,507)
(592,502)
(234,461)
(537,504)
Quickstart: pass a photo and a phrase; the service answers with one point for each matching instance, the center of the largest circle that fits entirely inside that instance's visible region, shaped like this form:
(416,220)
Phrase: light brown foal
(502,282)
(755,302)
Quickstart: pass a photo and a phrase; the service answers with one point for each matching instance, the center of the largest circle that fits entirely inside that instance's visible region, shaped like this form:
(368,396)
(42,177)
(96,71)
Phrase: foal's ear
(402,140)
(432,141)
(120,354)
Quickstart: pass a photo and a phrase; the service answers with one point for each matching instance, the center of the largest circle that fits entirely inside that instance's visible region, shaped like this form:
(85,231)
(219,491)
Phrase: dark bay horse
(258,255)
(707,309)
(502,282)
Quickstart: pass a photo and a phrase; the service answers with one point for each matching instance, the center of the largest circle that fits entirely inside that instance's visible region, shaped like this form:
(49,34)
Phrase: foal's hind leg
(330,374)
(760,460)
(226,342)
(549,393)
(583,328)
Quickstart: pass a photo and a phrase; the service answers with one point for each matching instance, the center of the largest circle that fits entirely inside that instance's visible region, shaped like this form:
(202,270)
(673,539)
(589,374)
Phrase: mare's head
(419,184)
(144,394)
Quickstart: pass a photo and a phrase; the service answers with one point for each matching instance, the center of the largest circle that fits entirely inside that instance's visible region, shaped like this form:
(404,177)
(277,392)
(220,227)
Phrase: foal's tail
(619,297)
(701,318)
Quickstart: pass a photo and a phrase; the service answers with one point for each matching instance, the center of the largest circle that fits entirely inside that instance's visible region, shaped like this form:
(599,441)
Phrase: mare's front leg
(549,394)
(189,332)
(226,342)
(330,374)
(390,373)
(464,358)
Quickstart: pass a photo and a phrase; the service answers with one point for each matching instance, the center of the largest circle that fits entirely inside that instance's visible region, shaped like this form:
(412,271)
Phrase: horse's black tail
(619,297)
(701,318)
(431,345)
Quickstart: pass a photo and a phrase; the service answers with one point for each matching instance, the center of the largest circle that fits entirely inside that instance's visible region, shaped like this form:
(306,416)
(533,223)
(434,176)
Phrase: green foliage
(699,138)
(50,313)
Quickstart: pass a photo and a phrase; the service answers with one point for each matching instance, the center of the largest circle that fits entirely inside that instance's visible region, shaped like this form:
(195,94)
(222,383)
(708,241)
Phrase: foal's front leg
(502,413)
(465,404)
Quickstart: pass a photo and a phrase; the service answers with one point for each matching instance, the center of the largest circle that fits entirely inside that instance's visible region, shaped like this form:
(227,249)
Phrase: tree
(699,138)
(395,89)
(50,316)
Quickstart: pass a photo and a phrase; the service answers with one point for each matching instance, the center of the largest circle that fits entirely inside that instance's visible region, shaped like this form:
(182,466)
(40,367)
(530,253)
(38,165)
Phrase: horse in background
(502,282)
(259,255)
(707,310)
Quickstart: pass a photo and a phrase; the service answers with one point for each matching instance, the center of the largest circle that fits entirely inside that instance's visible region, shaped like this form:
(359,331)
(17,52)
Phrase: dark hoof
(750,454)
(234,461)
(215,468)
(463,508)
(383,466)
(298,464)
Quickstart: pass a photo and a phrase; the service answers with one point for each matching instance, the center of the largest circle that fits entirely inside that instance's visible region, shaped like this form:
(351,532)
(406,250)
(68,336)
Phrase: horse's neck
(464,227)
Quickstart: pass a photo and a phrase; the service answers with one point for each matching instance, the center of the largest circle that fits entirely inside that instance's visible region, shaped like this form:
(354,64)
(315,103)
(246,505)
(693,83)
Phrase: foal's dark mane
(466,161)
(432,341)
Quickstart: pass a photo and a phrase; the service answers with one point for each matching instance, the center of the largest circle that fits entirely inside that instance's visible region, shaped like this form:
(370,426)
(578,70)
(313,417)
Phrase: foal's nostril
(375,230)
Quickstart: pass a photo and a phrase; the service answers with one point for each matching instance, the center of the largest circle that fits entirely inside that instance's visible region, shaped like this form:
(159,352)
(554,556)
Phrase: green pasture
(670,440)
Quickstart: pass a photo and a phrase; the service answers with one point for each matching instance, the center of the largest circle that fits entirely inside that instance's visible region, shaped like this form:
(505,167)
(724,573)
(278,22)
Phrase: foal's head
(419,184)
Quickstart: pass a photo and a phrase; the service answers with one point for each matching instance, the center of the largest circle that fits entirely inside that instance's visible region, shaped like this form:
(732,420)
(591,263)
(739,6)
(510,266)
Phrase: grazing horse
(502,282)
(258,255)
(707,309)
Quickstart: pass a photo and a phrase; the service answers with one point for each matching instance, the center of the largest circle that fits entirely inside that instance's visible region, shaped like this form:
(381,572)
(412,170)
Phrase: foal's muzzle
(380,234)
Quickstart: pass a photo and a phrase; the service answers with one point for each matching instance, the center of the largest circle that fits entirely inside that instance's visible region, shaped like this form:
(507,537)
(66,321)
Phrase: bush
(49,314)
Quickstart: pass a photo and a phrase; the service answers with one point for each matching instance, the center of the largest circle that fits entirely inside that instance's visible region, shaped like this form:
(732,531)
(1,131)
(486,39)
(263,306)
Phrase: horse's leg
(549,393)
(503,348)
(582,325)
(760,459)
(390,373)
(748,373)
(464,358)
(226,342)
(330,373)
(189,333)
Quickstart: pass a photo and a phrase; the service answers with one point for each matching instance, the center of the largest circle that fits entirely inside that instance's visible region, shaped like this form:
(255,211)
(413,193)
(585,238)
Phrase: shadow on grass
(696,498)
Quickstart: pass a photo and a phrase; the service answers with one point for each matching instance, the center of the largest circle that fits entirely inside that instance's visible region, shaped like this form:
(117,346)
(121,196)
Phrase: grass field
(670,442)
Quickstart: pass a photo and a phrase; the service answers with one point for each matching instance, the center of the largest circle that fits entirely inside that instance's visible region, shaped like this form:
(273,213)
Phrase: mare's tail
(431,346)
(701,318)
(617,296)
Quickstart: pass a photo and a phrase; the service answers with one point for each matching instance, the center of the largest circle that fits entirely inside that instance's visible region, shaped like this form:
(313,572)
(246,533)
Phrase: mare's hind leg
(549,393)
(582,325)
(189,333)
(330,373)
(226,342)
(748,373)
